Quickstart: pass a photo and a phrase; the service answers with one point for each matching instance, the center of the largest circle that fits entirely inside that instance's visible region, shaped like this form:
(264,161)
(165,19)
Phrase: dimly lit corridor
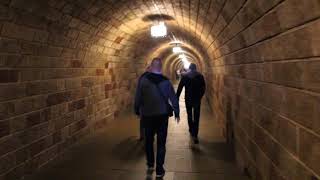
(115,154)
(69,70)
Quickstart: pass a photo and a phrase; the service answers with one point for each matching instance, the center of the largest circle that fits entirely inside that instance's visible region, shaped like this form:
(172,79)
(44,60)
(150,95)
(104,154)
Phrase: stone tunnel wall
(58,82)
(64,73)
(265,85)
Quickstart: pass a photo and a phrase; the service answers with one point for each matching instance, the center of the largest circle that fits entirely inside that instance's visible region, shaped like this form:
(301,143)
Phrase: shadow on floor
(129,149)
(216,150)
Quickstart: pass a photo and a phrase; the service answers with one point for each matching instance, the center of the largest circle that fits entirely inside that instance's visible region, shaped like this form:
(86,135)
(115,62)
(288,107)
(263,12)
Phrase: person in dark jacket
(142,134)
(195,87)
(152,98)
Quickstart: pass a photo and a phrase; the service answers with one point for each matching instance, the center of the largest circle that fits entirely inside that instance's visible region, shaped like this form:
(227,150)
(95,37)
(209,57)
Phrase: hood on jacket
(155,78)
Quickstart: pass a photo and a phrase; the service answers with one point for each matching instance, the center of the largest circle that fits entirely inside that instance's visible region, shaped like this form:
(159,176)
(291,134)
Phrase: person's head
(156,65)
(193,67)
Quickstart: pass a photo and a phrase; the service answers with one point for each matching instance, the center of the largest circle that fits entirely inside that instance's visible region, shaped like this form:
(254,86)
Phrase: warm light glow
(182,56)
(185,61)
(177,50)
(159,30)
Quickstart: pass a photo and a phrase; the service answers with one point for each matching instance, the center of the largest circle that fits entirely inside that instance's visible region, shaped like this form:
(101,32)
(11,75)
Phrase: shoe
(160,176)
(160,173)
(150,168)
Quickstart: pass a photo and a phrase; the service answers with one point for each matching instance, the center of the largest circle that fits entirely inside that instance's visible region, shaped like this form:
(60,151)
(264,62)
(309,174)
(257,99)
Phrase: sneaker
(150,168)
(160,173)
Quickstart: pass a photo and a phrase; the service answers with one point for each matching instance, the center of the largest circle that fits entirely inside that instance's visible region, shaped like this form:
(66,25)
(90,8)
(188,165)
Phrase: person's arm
(180,87)
(174,101)
(137,101)
(203,85)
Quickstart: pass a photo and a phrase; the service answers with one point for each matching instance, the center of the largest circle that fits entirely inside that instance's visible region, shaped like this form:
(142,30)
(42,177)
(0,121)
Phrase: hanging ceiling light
(177,49)
(159,30)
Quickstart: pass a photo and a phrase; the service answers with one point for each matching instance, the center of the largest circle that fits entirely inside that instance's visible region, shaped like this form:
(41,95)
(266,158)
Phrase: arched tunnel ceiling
(123,26)
(119,28)
(260,58)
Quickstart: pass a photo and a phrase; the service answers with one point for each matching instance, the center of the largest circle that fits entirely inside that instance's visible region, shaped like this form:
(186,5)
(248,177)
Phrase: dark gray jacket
(195,87)
(148,100)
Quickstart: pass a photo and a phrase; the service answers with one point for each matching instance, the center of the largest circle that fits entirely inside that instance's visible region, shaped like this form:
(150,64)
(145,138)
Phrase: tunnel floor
(116,154)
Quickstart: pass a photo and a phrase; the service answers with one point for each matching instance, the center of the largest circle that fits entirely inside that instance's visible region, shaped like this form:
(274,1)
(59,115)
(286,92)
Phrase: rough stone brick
(292,12)
(300,107)
(41,36)
(4,128)
(6,163)
(33,119)
(18,124)
(50,51)
(11,91)
(87,82)
(30,104)
(100,72)
(75,127)
(7,109)
(29,48)
(287,135)
(75,105)
(36,147)
(15,31)
(43,87)
(309,149)
(73,83)
(30,75)
(21,155)
(5,13)
(118,40)
(9,45)
(58,98)
(311,75)
(287,73)
(76,64)
(97,57)
(7,76)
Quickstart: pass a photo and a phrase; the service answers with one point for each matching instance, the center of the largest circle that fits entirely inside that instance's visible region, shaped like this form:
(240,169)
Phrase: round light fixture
(177,49)
(159,30)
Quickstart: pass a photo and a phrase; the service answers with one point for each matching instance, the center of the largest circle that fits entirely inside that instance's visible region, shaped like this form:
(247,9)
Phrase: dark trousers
(141,128)
(156,125)
(193,111)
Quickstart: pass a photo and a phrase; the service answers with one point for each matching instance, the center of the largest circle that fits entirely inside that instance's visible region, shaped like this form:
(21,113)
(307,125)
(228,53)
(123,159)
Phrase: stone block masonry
(52,84)
(67,68)
(265,83)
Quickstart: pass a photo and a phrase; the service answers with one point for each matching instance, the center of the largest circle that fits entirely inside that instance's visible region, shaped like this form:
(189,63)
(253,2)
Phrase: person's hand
(178,120)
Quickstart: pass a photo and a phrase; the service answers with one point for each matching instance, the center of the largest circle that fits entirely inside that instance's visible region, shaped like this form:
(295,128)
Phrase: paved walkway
(117,155)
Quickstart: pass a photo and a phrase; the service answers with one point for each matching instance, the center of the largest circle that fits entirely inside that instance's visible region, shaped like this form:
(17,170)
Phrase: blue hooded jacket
(148,100)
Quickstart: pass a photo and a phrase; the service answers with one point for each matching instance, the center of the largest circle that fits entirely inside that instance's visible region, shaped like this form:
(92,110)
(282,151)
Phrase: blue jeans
(156,125)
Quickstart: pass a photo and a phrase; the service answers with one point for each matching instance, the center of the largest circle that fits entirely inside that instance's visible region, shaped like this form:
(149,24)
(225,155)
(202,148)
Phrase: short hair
(193,67)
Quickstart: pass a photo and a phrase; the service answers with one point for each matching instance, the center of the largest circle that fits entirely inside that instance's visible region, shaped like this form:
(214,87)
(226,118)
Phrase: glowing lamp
(177,50)
(159,30)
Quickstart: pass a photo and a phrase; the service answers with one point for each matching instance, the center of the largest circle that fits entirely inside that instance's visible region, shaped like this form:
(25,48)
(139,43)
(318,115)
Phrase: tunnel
(69,71)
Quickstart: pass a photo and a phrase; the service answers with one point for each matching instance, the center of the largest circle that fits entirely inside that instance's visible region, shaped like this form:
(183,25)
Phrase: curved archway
(67,68)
